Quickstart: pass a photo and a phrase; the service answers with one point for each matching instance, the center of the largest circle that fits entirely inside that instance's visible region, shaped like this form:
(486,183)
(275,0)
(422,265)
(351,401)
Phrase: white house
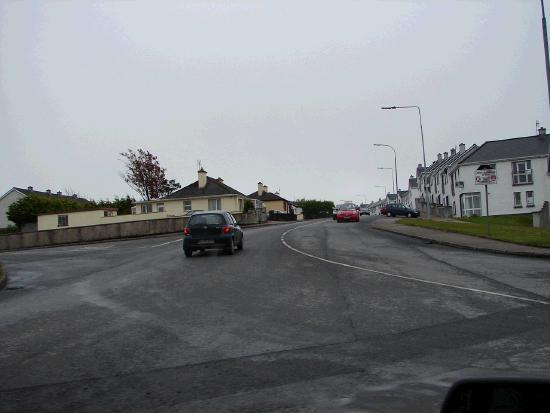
(522,176)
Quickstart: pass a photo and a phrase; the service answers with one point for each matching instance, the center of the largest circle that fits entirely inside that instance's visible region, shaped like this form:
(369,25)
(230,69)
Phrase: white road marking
(404,277)
(166,243)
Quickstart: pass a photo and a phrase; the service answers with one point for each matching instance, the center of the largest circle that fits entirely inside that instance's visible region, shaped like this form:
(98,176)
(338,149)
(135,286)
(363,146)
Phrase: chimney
(265,189)
(220,179)
(453,151)
(202,178)
(542,131)
(59,193)
(260,189)
(461,148)
(438,157)
(445,155)
(29,188)
(75,196)
(49,191)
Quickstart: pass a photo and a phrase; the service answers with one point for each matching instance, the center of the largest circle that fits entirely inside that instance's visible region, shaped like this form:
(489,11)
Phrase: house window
(108,213)
(214,204)
(146,208)
(241,205)
(471,204)
(522,173)
(517,200)
(62,220)
(160,207)
(187,205)
(530,197)
(134,210)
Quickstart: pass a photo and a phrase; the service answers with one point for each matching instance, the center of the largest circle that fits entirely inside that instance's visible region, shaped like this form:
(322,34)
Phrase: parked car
(347,213)
(334,213)
(394,210)
(364,211)
(384,210)
(212,230)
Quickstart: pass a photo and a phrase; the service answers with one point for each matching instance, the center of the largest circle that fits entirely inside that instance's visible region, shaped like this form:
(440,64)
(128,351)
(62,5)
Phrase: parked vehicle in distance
(334,213)
(364,211)
(384,210)
(347,212)
(394,210)
(212,230)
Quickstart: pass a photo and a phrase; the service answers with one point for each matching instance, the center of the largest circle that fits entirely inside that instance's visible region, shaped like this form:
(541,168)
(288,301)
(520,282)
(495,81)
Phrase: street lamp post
(421,134)
(546,53)
(395,164)
(392,182)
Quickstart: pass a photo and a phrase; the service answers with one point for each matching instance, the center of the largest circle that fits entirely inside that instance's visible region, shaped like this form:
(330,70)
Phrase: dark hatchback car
(394,210)
(212,230)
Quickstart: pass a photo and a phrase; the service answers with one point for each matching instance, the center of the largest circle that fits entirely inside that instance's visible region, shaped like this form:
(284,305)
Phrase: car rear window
(206,219)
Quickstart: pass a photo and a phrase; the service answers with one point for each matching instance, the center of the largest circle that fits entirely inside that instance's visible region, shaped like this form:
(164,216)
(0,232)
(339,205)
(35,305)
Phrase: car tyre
(389,214)
(231,247)
(409,215)
(188,252)
(240,245)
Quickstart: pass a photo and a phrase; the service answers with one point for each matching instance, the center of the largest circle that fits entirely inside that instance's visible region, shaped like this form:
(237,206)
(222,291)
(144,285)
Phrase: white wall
(501,194)
(11,197)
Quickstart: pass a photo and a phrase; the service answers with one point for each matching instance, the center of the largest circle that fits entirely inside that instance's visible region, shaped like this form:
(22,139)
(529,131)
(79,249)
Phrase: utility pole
(546,53)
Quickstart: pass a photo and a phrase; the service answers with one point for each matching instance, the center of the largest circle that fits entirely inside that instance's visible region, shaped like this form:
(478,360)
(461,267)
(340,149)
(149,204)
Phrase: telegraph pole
(546,54)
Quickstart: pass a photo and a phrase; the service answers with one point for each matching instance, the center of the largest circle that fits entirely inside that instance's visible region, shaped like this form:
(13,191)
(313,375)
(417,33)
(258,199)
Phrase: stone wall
(91,233)
(541,219)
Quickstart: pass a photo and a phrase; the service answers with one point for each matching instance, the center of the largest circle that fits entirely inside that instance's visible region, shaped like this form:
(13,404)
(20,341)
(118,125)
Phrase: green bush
(25,210)
(123,205)
(313,208)
(9,230)
(248,205)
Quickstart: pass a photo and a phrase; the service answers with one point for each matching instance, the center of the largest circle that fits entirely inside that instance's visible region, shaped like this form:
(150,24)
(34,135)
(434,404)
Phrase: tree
(123,205)
(145,175)
(25,210)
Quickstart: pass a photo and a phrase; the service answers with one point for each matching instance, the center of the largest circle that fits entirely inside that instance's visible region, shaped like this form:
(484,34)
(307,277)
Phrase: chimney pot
(265,189)
(461,148)
(438,157)
(542,131)
(59,193)
(29,188)
(49,191)
(453,151)
(260,189)
(445,155)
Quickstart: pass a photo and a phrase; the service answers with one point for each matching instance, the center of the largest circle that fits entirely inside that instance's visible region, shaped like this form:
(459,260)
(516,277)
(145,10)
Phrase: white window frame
(472,209)
(218,204)
(532,197)
(63,220)
(187,205)
(160,207)
(146,208)
(517,200)
(527,172)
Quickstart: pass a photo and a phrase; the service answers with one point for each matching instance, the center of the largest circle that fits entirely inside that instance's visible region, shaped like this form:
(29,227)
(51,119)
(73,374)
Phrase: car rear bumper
(218,242)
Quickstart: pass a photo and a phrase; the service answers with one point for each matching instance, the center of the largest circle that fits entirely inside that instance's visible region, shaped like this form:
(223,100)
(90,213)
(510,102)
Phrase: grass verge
(504,228)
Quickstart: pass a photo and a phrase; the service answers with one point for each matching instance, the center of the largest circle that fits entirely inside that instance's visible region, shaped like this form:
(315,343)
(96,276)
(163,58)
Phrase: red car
(347,213)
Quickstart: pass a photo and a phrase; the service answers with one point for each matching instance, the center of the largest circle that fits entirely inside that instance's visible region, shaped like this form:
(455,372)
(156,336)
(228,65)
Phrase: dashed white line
(166,243)
(404,277)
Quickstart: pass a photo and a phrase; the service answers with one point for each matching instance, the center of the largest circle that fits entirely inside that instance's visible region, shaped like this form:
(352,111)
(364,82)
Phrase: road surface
(310,317)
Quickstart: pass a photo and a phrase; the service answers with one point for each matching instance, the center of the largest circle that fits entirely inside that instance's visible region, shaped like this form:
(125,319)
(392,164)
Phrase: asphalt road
(310,317)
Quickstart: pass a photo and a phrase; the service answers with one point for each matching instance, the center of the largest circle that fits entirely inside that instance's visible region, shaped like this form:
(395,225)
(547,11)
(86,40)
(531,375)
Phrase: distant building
(15,194)
(271,201)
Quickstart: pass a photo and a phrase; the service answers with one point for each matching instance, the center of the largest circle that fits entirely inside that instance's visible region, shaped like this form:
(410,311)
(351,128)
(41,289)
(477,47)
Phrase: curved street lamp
(421,134)
(395,164)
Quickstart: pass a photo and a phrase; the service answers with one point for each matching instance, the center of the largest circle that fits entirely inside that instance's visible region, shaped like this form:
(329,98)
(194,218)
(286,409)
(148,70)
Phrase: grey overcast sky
(286,92)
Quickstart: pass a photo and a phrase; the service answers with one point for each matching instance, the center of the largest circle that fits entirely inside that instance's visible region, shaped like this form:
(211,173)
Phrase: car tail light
(186,231)
(226,230)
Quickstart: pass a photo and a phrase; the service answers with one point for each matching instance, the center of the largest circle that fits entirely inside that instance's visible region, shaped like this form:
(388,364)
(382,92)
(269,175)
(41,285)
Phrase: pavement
(309,317)
(459,240)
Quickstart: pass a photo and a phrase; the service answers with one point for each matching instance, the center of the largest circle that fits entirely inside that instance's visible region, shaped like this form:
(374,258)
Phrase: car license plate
(206,241)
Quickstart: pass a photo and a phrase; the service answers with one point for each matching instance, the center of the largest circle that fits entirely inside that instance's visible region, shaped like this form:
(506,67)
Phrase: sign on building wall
(486,174)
